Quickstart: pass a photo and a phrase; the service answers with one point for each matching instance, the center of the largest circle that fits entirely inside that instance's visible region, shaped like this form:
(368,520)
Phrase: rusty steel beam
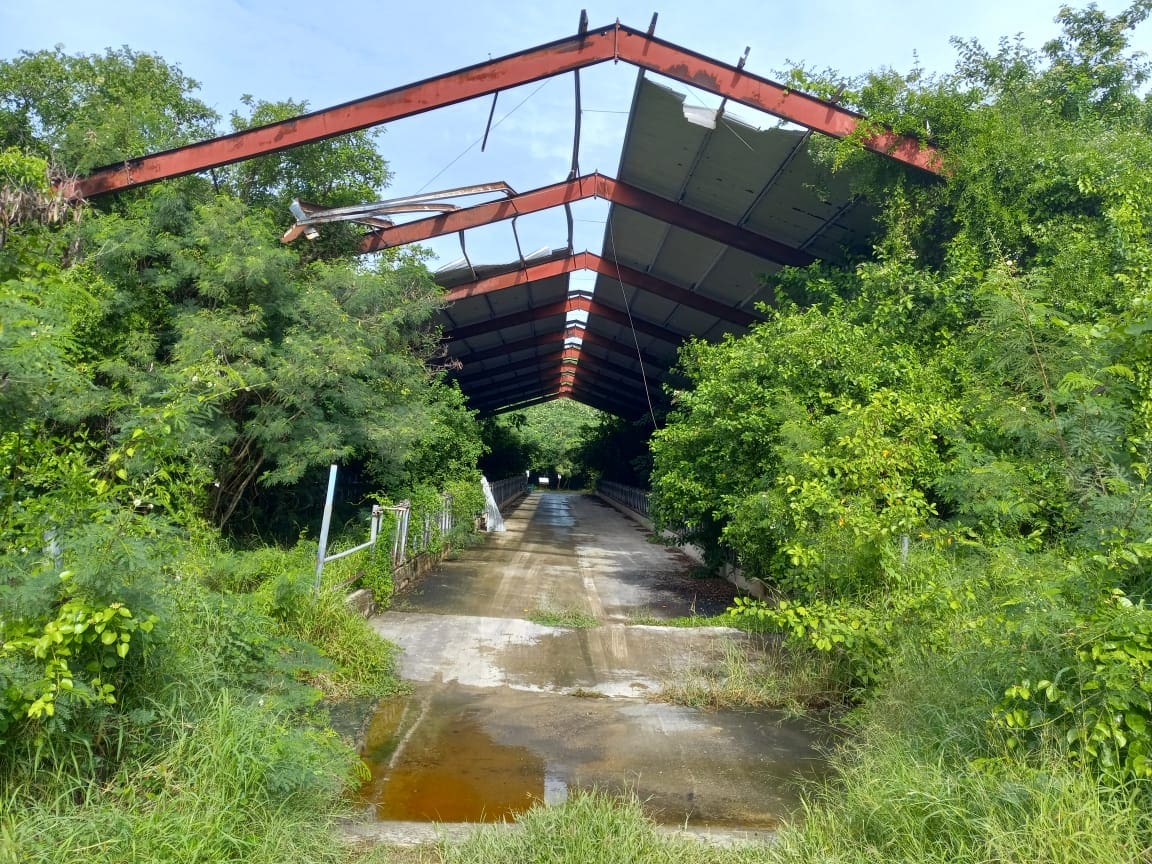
(623,407)
(611,385)
(647,282)
(513,319)
(527,385)
(513,402)
(735,83)
(562,307)
(624,376)
(571,351)
(593,185)
(533,201)
(593,262)
(520,276)
(614,42)
(649,204)
(629,351)
(485,401)
(530,380)
(595,307)
(525,390)
(575,356)
(481,79)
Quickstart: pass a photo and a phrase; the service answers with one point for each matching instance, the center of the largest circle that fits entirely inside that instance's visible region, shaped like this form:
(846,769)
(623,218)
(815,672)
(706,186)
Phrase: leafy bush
(1098,703)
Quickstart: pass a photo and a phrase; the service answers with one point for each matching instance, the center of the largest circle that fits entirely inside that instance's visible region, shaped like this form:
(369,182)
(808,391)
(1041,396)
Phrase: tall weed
(241,784)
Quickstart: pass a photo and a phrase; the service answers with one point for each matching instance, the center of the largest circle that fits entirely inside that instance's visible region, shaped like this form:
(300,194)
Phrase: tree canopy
(960,422)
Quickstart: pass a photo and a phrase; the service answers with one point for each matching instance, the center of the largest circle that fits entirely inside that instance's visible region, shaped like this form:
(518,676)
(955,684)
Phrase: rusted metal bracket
(596,264)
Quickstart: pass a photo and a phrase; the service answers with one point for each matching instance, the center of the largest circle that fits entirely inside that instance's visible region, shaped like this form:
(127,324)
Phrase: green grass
(893,804)
(758,674)
(589,828)
(238,783)
(574,618)
(747,624)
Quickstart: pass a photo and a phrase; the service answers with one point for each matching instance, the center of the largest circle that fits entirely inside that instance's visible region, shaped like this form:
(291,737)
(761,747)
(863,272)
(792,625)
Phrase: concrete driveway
(505,711)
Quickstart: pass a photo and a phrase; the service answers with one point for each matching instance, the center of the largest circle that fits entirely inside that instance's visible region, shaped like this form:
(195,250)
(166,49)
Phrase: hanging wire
(632,326)
(471,146)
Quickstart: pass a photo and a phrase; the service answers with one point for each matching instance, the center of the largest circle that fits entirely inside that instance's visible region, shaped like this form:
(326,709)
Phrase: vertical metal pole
(377,515)
(406,514)
(396,536)
(325,525)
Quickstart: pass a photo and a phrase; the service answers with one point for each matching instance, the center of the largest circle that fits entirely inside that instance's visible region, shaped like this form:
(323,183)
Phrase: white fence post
(325,524)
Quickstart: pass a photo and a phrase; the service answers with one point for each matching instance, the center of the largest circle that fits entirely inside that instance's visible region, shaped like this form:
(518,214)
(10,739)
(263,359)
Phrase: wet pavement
(506,712)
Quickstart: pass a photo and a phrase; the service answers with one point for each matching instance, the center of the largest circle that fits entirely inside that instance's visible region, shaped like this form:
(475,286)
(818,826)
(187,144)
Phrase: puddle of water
(461,755)
(428,766)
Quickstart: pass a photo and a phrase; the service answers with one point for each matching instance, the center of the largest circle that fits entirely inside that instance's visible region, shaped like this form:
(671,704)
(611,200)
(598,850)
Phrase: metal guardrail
(507,489)
(630,496)
(443,520)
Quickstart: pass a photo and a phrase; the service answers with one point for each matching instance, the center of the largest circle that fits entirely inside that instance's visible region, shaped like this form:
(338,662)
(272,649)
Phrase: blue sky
(328,53)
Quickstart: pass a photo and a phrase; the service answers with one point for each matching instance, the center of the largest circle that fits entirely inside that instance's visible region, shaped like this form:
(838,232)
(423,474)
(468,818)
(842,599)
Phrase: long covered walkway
(507,709)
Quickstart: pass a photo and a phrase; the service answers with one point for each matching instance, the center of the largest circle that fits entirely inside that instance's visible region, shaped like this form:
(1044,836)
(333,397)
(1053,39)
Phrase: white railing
(443,520)
(508,488)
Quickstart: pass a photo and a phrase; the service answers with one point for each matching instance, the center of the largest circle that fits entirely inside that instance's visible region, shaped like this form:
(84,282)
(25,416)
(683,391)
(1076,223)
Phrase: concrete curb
(752,587)
(409,834)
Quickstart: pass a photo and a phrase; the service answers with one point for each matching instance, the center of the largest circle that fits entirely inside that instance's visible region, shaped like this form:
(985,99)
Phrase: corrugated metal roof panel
(763,180)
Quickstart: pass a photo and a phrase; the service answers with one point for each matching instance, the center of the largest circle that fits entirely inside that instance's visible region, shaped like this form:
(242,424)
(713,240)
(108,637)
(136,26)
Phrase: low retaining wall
(412,570)
(512,502)
(752,587)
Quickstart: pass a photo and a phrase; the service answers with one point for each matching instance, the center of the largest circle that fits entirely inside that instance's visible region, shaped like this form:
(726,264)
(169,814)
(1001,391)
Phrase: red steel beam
(520,276)
(737,84)
(589,186)
(520,384)
(512,403)
(627,391)
(615,42)
(590,261)
(627,377)
(481,79)
(595,307)
(648,282)
(624,407)
(628,351)
(635,198)
(568,357)
(571,351)
(533,201)
(513,319)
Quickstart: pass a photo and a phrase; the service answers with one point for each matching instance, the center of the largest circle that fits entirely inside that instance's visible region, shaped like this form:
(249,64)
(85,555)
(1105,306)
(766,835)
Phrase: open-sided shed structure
(703,206)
